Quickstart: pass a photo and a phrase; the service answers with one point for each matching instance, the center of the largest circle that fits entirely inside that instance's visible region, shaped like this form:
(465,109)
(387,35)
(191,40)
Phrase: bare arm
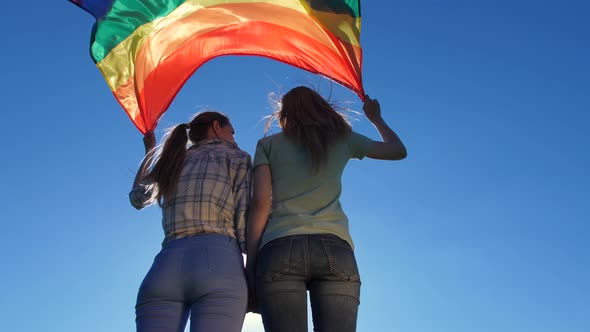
(141,196)
(260,206)
(149,143)
(392,147)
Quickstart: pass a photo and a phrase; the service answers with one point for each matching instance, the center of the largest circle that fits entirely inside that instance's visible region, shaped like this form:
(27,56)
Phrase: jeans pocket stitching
(286,255)
(333,265)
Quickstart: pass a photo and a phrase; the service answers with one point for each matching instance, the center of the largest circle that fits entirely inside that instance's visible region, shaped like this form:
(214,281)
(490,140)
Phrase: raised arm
(149,143)
(391,148)
(140,196)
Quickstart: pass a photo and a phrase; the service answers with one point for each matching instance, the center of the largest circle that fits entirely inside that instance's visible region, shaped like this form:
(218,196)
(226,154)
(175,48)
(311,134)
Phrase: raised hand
(372,109)
(149,141)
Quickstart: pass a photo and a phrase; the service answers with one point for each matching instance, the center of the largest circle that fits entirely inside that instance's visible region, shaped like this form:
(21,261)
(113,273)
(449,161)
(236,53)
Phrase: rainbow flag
(147,49)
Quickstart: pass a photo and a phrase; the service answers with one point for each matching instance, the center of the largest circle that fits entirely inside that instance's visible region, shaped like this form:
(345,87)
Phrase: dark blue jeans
(322,264)
(201,276)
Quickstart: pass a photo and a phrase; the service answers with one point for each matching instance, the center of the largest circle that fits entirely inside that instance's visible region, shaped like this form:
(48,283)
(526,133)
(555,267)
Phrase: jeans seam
(285,267)
(306,259)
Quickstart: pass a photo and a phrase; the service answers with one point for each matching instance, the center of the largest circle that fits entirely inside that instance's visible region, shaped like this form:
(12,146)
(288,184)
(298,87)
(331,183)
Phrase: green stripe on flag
(126,16)
(123,18)
(349,7)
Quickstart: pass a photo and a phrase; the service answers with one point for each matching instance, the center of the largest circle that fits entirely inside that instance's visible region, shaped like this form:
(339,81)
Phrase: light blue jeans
(200,276)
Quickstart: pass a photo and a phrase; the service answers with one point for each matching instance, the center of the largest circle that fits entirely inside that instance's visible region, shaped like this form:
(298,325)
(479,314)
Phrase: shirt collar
(211,141)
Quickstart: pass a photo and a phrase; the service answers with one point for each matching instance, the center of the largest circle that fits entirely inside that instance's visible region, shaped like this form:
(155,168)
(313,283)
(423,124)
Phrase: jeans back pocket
(341,259)
(273,260)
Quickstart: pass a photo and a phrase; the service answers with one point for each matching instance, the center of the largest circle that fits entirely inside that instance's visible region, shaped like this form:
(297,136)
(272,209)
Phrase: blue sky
(484,227)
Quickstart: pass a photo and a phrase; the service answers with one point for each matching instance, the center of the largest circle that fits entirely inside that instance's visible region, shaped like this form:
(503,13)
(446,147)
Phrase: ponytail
(168,166)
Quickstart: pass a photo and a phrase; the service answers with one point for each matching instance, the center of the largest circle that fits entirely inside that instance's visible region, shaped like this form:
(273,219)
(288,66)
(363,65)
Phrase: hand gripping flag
(147,49)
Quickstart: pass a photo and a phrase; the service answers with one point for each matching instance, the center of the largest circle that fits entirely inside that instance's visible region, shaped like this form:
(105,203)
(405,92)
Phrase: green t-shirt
(304,202)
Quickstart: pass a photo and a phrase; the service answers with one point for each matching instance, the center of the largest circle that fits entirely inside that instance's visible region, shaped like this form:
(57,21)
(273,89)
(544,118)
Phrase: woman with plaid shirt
(204,193)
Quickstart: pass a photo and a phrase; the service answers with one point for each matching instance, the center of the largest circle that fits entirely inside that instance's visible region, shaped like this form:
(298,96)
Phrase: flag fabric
(147,49)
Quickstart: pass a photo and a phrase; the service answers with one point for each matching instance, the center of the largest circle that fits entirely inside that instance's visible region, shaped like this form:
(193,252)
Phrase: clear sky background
(484,227)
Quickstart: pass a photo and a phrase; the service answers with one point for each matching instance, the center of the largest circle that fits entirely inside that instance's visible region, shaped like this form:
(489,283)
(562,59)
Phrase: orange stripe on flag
(283,44)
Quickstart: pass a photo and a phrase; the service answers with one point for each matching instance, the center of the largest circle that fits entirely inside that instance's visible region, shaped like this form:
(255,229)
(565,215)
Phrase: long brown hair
(312,122)
(168,165)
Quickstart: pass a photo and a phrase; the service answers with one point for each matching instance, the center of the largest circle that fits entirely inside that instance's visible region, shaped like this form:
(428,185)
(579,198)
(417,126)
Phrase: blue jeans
(201,276)
(322,264)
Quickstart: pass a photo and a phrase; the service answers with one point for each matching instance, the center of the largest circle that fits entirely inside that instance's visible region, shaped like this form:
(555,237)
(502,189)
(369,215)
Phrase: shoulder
(242,155)
(266,146)
(355,137)
(231,150)
(234,154)
(358,145)
(272,138)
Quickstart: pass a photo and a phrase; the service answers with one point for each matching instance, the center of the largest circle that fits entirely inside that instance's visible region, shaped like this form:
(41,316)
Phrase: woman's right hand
(392,147)
(372,109)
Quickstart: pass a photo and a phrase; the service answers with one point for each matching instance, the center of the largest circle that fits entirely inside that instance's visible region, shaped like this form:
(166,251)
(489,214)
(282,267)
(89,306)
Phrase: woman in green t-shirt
(297,234)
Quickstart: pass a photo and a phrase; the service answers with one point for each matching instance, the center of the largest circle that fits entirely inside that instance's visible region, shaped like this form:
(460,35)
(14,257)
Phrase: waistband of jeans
(309,237)
(201,239)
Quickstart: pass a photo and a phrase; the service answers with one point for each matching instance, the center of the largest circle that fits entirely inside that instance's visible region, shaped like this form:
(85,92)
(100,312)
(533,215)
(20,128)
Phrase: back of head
(168,166)
(309,120)
(201,123)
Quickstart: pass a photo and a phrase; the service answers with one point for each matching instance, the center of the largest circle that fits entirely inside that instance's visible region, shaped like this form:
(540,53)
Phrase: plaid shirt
(212,194)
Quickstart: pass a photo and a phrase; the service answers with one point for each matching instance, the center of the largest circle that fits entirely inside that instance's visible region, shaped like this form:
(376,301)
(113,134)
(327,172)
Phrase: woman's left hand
(149,141)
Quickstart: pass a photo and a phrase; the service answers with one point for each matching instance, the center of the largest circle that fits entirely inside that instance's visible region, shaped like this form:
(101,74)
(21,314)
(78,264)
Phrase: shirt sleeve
(142,195)
(242,186)
(358,145)
(261,155)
